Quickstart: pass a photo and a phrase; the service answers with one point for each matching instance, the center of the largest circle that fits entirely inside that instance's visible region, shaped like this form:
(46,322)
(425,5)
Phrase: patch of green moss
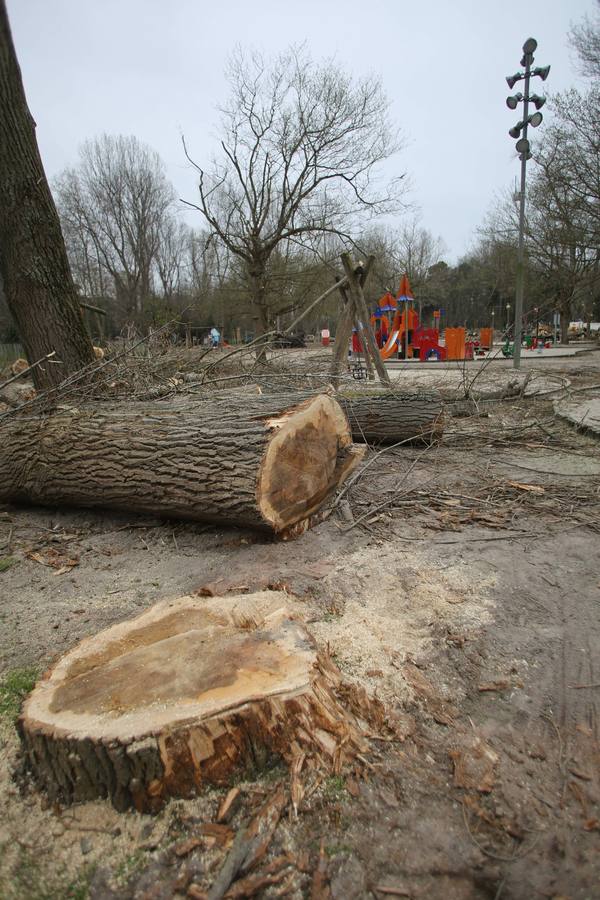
(14,687)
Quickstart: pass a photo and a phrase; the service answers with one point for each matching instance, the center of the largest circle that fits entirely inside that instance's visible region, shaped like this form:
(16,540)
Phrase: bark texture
(266,462)
(389,417)
(34,268)
(190,693)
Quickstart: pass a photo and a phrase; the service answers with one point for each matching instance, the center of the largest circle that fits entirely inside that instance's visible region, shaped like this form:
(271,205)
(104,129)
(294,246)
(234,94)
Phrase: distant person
(215,336)
(356,343)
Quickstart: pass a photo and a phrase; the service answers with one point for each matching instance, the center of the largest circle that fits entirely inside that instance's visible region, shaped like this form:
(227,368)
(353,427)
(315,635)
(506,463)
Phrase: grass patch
(336,849)
(130,866)
(14,687)
(7,562)
(29,882)
(334,788)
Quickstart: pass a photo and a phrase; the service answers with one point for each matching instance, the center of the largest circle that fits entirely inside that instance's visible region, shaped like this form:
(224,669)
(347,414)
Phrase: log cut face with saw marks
(264,462)
(190,693)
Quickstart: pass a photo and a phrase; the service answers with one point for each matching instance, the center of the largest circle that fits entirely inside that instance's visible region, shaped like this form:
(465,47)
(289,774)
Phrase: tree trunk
(191,693)
(264,462)
(391,417)
(565,319)
(33,260)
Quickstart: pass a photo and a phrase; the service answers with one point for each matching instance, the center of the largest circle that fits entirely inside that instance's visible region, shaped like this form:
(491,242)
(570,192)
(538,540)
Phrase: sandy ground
(470,605)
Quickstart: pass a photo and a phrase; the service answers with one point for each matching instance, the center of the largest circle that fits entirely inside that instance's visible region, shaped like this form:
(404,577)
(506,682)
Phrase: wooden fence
(8,354)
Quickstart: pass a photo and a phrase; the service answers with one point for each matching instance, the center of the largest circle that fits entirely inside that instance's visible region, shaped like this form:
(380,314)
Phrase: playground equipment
(406,338)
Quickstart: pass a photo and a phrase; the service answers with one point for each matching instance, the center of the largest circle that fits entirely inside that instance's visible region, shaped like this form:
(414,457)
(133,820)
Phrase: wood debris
(250,844)
(474,764)
(229,805)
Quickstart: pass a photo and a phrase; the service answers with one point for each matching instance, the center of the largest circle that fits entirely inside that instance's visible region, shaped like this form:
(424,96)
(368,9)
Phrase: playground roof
(404,291)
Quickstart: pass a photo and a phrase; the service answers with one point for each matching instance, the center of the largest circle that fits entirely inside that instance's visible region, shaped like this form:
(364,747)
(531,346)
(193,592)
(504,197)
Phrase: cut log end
(188,694)
(307,459)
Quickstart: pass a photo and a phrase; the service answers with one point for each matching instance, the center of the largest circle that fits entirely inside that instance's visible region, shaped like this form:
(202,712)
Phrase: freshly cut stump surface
(185,695)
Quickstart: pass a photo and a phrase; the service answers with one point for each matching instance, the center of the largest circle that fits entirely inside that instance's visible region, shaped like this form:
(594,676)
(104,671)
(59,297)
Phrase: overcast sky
(154,69)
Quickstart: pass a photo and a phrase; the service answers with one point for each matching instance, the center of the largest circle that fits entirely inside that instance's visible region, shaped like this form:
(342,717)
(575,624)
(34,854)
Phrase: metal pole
(521,254)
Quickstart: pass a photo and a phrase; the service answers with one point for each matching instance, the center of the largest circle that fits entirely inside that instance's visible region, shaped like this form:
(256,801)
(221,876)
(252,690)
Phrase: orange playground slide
(397,332)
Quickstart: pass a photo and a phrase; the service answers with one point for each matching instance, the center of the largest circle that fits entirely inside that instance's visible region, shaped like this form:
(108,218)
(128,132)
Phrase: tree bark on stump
(394,416)
(34,268)
(267,462)
(192,692)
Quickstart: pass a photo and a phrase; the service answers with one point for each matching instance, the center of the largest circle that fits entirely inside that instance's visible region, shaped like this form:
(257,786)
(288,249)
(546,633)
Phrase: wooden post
(358,298)
(342,336)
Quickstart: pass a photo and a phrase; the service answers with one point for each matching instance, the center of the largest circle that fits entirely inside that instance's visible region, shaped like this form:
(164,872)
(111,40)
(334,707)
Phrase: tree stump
(267,462)
(190,693)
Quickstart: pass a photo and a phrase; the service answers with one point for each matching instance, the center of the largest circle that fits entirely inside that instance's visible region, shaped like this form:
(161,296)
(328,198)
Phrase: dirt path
(470,605)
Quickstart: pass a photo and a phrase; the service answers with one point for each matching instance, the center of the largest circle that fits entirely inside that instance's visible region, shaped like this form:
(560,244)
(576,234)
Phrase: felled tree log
(267,462)
(190,693)
(388,417)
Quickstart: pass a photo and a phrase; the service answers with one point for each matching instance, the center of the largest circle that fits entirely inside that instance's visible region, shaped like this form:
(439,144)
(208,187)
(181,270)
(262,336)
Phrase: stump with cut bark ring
(188,694)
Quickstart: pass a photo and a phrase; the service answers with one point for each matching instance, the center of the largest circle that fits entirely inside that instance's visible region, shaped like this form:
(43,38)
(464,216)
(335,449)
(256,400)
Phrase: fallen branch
(250,844)
(28,369)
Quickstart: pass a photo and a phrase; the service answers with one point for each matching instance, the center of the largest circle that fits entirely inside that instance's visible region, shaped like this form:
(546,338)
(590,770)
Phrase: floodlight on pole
(513,101)
(543,72)
(519,133)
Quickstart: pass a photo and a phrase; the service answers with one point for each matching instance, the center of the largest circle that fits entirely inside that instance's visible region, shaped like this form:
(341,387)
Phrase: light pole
(519,132)
(507,320)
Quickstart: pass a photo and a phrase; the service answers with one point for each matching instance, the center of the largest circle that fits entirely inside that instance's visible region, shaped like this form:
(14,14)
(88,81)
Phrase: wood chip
(578,773)
(352,787)
(252,884)
(296,787)
(54,559)
(182,848)
(196,893)
(531,488)
(474,765)
(320,889)
(501,685)
(217,835)
(392,891)
(229,805)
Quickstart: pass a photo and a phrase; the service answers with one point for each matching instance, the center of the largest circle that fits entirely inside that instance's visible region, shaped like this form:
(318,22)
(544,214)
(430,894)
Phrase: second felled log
(267,462)
(389,417)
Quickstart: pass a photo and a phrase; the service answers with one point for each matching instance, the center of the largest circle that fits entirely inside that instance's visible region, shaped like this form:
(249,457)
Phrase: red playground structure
(405,337)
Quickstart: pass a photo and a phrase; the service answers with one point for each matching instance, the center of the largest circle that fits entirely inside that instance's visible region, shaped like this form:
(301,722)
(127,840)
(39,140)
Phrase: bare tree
(584,38)
(116,204)
(171,257)
(34,268)
(299,157)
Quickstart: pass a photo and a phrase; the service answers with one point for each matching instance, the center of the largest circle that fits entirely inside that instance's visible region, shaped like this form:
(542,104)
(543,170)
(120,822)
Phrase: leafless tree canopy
(409,249)
(117,208)
(585,40)
(299,159)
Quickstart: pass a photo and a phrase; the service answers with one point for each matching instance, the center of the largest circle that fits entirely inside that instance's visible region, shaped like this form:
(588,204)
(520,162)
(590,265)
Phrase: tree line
(297,179)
